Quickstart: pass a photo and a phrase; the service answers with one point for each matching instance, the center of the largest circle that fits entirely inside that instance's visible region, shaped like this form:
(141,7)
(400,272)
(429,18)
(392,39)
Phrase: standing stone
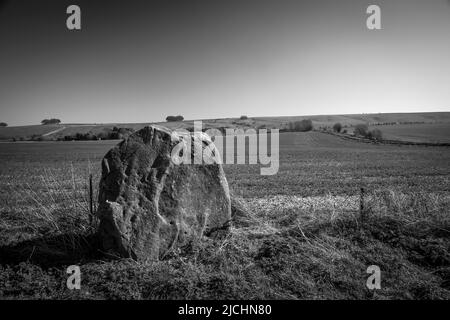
(148,205)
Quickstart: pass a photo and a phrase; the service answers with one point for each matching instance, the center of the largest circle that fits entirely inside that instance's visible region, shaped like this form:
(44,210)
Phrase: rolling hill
(401,126)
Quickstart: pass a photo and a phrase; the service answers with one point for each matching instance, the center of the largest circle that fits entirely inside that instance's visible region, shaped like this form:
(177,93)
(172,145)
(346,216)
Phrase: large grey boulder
(149,205)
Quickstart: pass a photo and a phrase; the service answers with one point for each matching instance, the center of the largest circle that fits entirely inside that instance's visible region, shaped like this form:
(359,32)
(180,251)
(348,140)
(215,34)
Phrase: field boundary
(387,141)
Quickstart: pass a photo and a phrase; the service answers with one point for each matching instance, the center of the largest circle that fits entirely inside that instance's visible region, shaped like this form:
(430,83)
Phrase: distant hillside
(54,132)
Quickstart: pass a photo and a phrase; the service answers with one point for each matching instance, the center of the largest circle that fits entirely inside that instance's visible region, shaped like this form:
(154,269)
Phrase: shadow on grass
(54,251)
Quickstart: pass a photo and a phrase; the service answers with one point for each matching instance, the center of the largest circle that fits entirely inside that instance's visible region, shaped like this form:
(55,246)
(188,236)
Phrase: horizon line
(225,118)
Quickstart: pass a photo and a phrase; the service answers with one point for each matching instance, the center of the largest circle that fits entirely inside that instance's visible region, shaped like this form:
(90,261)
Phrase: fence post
(362,211)
(91,202)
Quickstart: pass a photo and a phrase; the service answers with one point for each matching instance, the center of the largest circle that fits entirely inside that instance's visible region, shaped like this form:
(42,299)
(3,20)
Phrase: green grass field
(297,235)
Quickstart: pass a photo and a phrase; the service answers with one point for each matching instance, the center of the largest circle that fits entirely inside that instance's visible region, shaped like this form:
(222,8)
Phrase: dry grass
(299,249)
(63,206)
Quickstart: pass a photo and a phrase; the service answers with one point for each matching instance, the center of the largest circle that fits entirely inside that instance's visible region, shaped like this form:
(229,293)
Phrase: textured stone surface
(149,206)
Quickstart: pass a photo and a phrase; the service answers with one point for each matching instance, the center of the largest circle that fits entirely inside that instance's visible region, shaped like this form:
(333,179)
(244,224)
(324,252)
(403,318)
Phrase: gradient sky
(139,61)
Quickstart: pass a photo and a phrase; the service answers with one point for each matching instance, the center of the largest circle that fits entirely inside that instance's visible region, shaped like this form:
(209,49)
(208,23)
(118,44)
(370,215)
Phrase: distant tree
(36,137)
(243,117)
(115,133)
(376,134)
(3,124)
(50,121)
(174,118)
(301,126)
(337,127)
(361,130)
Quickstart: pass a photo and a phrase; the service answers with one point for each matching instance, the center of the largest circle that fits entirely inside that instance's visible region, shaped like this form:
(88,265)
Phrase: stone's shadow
(55,251)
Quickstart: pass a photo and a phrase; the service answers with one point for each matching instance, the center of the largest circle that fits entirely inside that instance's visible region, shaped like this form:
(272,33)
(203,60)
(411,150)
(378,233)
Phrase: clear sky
(139,61)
